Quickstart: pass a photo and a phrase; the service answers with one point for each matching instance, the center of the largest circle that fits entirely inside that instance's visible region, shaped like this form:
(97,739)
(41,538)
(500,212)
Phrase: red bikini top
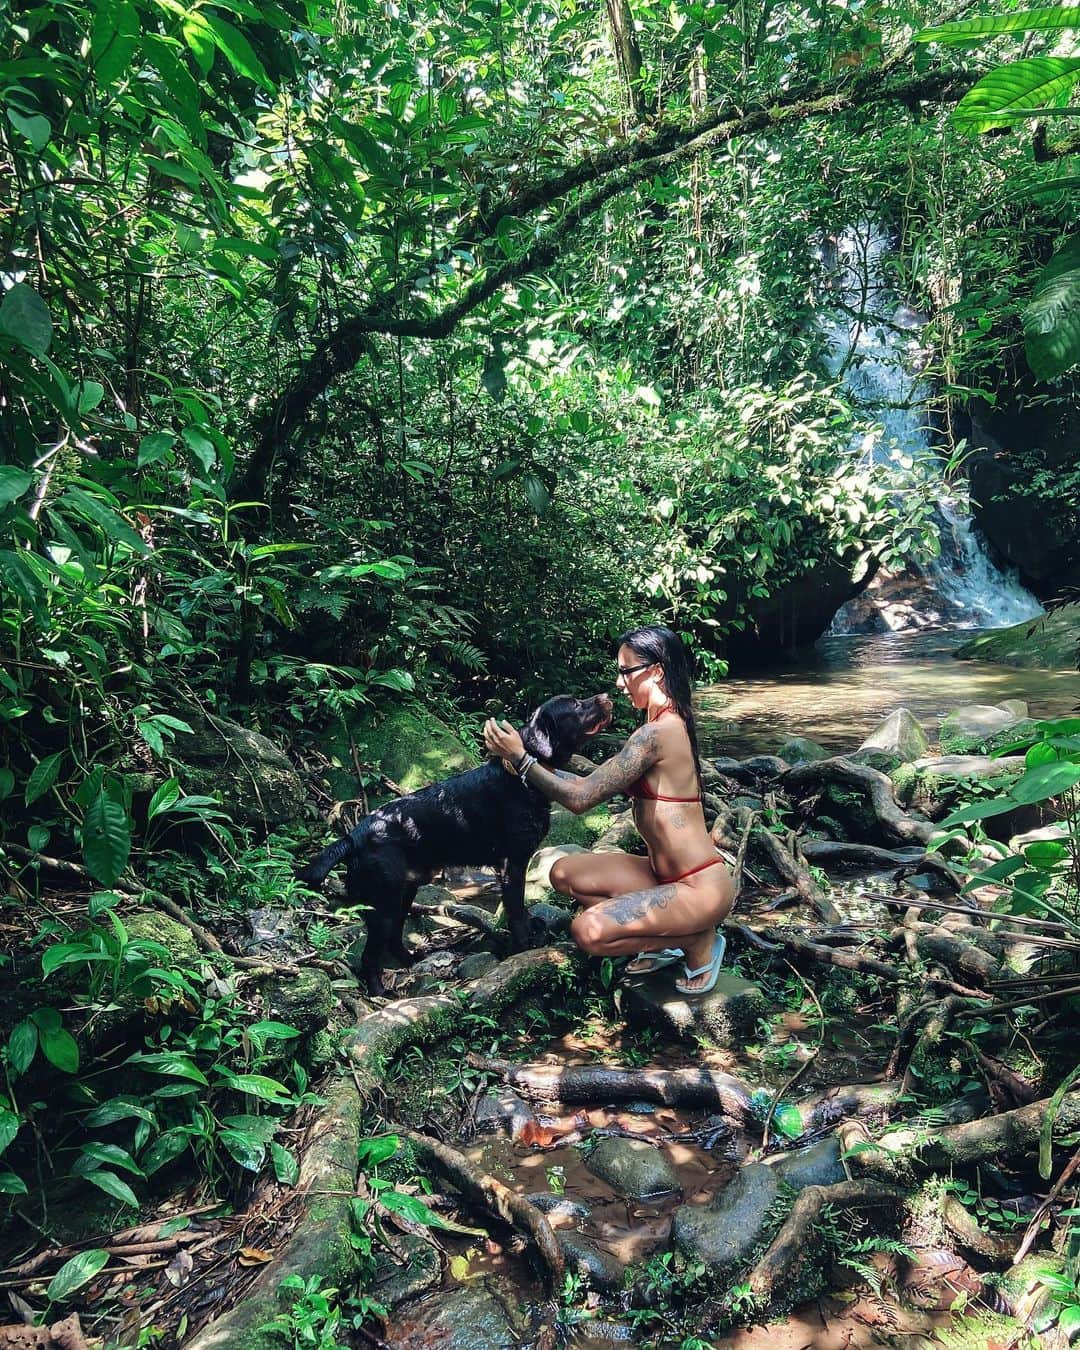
(642,791)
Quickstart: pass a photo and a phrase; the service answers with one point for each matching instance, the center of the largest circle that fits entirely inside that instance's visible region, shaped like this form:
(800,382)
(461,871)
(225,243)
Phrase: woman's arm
(578,795)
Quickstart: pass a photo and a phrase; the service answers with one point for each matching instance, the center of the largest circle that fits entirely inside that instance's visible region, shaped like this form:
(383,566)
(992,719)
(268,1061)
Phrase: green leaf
(962,31)
(111,1184)
(1045,781)
(22,1046)
(258,1085)
(978,811)
(90,395)
(1046,1133)
(286,1168)
(119,1108)
(9,1127)
(114,525)
(200,446)
(1045,853)
(372,1152)
(172,1063)
(788,1121)
(261,1032)
(112,40)
(7,783)
(10,1184)
(163,798)
(236,48)
(1017,90)
(1052,317)
(153,447)
(61,1050)
(35,128)
(536,492)
(94,1154)
(165,1150)
(106,839)
(42,777)
(248,1150)
(25,317)
(13,483)
(73,1274)
(412,1207)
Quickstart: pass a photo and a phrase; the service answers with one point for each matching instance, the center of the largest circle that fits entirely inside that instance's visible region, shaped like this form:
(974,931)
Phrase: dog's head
(562,725)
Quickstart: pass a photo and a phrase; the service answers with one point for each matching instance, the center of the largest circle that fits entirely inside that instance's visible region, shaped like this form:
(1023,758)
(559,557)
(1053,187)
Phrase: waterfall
(873,346)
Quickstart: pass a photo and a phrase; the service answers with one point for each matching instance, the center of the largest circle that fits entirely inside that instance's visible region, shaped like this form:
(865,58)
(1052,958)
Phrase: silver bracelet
(525,764)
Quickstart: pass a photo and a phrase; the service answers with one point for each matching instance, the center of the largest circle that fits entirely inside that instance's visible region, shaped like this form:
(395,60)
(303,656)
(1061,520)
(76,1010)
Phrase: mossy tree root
(788,862)
(777,1270)
(896,823)
(321,1242)
(488,1194)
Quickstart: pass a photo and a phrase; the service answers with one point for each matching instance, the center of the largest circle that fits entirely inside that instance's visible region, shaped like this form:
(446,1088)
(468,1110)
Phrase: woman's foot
(702,979)
(645,963)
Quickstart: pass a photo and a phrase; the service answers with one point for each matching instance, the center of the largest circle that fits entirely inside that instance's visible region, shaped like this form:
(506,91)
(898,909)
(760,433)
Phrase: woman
(682,889)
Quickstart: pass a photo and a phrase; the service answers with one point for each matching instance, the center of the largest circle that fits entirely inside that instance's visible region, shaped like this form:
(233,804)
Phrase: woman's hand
(501,739)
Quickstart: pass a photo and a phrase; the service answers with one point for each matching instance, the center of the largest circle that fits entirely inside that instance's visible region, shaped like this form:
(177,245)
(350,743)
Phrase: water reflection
(845,685)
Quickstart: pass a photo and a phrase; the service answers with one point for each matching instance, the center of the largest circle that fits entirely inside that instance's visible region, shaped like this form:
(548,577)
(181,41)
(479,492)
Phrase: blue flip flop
(712,969)
(657,960)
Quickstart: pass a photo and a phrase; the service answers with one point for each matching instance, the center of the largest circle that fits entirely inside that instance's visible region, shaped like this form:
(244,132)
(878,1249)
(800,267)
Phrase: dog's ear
(538,733)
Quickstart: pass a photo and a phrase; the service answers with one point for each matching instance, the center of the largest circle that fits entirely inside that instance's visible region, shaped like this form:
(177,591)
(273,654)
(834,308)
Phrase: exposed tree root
(598,1083)
(967,961)
(490,1195)
(778,1268)
(785,858)
(963,1227)
(877,788)
(836,956)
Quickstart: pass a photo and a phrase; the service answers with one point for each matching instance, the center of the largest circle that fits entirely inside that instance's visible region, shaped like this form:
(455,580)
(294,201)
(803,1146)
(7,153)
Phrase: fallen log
(488,1194)
(896,823)
(596,1083)
(778,1268)
(963,958)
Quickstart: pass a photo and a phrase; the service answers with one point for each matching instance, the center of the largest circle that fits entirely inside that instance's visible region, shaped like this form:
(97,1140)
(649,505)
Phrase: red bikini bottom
(667,881)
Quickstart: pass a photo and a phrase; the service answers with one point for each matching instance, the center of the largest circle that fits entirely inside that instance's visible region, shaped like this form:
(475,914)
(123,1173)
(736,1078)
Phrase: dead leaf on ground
(254,1256)
(179,1269)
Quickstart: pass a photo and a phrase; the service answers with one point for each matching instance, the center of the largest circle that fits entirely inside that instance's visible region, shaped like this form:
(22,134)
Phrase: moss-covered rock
(1047,643)
(900,734)
(586,829)
(980,729)
(252,777)
(800,750)
(411,746)
(152,926)
(939,785)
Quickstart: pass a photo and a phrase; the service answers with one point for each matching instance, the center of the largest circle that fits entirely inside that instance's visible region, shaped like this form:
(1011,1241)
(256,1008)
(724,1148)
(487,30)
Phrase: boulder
(901,734)
(584,830)
(723,1234)
(978,729)
(475,1316)
(418,1271)
(558,1206)
(502,1111)
(766,766)
(597,1267)
(1051,642)
(538,874)
(938,785)
(817,1164)
(734,768)
(253,779)
(476,965)
(633,1168)
(725,1017)
(549,922)
(800,750)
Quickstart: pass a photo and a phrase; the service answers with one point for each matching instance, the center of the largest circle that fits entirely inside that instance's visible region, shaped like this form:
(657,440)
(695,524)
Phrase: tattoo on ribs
(635,905)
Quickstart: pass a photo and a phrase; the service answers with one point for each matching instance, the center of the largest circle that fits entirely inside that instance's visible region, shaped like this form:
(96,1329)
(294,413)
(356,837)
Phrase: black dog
(483,817)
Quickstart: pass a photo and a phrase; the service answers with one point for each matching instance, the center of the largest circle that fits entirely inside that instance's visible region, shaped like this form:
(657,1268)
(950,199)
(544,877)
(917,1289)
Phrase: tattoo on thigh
(629,908)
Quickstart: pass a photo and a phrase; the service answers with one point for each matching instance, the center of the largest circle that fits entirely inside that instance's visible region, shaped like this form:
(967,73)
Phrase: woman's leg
(648,919)
(590,878)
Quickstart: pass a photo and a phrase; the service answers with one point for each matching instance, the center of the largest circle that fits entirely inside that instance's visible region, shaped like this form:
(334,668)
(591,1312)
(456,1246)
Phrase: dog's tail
(321,866)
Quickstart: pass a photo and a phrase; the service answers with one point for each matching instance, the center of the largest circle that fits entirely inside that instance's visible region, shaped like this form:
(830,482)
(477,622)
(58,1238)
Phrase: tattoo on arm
(615,775)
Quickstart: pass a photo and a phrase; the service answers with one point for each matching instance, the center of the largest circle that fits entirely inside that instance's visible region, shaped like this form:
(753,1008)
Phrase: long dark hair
(662,647)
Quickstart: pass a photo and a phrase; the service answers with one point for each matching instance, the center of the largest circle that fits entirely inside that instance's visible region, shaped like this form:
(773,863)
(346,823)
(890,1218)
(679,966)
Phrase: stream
(844,686)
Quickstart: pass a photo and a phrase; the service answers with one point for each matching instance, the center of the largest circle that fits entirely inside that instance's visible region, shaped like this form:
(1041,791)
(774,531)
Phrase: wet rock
(538,875)
(900,734)
(748,802)
(419,1270)
(980,728)
(502,1112)
(722,1234)
(816,1165)
(437,966)
(475,1316)
(558,1206)
(548,922)
(435,895)
(882,760)
(592,1263)
(930,883)
(476,965)
(766,766)
(800,750)
(273,933)
(726,1017)
(621,834)
(304,1000)
(633,1167)
(735,769)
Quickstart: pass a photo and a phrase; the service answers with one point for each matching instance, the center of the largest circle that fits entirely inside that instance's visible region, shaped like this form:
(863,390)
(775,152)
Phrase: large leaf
(111,1184)
(1017,90)
(114,525)
(25,317)
(962,31)
(13,483)
(73,1274)
(106,839)
(42,777)
(1045,781)
(1052,319)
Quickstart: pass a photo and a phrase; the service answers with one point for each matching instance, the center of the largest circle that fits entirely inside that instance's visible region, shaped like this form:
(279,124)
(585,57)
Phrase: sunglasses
(632,670)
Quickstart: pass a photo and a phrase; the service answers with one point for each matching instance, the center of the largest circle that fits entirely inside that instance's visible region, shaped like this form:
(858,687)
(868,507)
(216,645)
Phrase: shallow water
(844,686)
